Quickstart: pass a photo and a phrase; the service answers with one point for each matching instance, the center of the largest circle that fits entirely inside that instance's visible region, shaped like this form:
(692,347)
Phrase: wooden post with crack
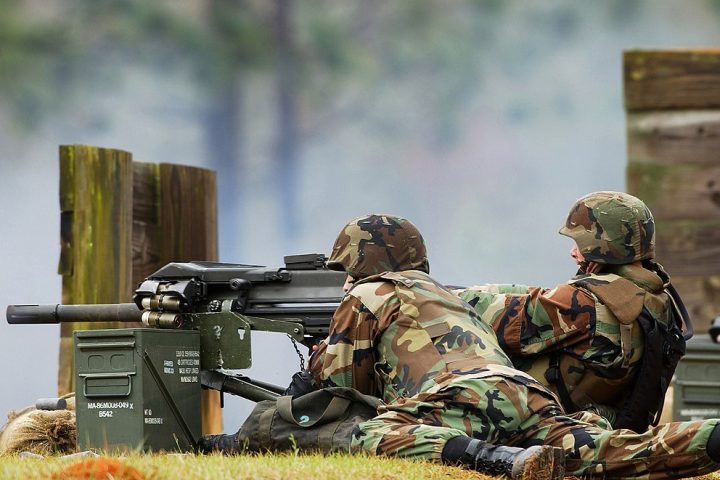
(672,98)
(120,221)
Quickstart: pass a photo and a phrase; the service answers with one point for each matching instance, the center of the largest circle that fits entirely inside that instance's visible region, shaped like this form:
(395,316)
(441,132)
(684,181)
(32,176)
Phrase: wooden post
(121,221)
(672,98)
(95,214)
(175,220)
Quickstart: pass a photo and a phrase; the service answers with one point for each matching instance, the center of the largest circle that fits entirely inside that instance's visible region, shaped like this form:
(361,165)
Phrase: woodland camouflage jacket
(398,334)
(590,322)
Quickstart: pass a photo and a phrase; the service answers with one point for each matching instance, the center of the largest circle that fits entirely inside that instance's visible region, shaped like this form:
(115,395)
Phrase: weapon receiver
(224,302)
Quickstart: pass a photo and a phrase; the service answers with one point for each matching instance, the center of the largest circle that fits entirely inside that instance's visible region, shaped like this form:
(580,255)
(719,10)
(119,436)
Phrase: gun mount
(197,318)
(224,301)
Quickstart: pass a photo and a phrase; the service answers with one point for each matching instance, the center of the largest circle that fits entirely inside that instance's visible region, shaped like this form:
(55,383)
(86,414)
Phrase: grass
(218,467)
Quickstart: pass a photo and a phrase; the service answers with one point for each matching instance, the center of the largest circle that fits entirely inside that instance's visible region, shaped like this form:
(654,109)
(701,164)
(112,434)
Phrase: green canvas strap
(264,427)
(335,408)
(326,433)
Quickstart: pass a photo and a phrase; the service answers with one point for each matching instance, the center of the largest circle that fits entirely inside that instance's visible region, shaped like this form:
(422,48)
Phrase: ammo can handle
(85,377)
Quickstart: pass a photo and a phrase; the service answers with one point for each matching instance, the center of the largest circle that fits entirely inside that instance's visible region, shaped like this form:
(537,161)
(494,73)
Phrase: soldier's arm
(493,288)
(346,358)
(488,299)
(537,321)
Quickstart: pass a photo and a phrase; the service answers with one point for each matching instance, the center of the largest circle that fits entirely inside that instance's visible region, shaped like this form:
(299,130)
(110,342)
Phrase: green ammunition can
(137,389)
(697,381)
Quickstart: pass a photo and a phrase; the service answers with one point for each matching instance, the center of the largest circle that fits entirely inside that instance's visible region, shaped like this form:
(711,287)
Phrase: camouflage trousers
(517,411)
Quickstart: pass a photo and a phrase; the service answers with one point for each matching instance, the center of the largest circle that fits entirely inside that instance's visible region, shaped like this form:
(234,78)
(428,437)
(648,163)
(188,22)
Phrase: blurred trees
(405,72)
(325,59)
(35,57)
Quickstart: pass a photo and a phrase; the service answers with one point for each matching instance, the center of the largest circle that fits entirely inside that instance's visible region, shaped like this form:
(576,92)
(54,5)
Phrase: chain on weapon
(297,350)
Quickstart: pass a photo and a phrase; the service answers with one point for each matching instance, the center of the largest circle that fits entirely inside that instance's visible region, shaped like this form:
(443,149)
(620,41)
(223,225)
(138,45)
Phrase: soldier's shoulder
(580,285)
(373,294)
(370,287)
(593,279)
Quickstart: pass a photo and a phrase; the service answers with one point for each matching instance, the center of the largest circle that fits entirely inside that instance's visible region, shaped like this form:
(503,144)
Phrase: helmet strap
(593,267)
(582,266)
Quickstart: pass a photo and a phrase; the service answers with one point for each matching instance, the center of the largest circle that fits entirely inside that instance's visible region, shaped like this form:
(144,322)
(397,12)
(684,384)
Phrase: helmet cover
(374,244)
(611,228)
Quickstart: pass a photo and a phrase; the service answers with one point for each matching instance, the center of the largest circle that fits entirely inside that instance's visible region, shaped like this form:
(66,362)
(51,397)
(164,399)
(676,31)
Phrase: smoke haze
(516,113)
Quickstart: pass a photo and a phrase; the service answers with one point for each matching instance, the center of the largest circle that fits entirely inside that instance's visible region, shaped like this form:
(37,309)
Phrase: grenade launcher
(224,302)
(197,321)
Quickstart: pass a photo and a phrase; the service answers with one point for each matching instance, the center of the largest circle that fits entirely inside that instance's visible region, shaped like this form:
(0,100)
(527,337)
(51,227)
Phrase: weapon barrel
(114,312)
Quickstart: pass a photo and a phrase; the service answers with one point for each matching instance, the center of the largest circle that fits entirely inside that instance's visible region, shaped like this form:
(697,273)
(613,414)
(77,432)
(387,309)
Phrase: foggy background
(480,121)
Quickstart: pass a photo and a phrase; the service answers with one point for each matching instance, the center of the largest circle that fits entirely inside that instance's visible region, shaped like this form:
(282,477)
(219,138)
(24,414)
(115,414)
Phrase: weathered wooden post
(122,220)
(672,98)
(175,220)
(96,232)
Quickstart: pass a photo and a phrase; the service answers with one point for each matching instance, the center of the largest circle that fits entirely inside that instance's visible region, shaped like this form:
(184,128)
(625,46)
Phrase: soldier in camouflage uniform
(585,340)
(446,382)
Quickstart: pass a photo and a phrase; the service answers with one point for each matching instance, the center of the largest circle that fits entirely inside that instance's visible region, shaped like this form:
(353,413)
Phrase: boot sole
(558,463)
(540,466)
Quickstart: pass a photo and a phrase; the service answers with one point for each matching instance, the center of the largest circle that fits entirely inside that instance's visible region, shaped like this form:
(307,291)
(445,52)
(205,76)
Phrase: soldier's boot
(539,462)
(217,443)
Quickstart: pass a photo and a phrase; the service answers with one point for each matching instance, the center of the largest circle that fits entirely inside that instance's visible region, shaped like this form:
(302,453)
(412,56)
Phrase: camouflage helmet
(611,227)
(373,244)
